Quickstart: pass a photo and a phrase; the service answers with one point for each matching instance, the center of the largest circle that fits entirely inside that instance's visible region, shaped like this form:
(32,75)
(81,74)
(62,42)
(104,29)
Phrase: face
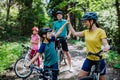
(87,23)
(35,32)
(59,16)
(49,34)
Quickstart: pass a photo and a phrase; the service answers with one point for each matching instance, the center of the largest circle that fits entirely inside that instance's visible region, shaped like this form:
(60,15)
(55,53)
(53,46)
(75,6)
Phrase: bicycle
(19,66)
(95,69)
(60,52)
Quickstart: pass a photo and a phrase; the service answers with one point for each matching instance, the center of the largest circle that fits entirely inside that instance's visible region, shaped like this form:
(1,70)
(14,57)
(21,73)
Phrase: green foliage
(9,52)
(113,59)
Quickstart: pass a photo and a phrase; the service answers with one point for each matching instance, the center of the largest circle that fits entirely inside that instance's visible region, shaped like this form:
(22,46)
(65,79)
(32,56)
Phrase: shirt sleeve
(83,33)
(103,34)
(42,47)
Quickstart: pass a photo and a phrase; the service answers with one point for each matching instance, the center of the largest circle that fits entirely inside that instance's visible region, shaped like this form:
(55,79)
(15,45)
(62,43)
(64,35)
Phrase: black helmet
(58,12)
(90,15)
(44,31)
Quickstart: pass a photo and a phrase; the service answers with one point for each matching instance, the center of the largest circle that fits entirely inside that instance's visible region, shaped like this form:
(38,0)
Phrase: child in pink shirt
(35,42)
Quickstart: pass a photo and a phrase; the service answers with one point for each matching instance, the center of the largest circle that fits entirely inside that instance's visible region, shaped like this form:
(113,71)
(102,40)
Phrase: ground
(77,56)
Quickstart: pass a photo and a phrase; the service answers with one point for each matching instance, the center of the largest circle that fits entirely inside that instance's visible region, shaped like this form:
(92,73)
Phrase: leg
(82,74)
(68,57)
(103,77)
(38,61)
(85,68)
(65,49)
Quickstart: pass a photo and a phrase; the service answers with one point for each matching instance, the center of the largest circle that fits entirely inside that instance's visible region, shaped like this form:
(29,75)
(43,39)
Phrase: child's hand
(27,65)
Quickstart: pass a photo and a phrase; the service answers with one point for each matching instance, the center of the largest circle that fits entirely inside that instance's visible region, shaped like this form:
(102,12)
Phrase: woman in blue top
(48,48)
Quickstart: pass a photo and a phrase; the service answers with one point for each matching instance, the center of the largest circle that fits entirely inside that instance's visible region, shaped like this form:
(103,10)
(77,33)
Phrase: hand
(27,65)
(68,19)
(68,37)
(106,48)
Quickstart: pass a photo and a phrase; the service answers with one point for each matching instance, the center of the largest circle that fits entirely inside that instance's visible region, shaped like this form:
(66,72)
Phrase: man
(56,26)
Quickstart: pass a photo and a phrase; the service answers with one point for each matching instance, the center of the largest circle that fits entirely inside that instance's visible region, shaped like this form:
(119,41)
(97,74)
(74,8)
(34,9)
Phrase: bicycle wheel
(91,77)
(20,69)
(61,56)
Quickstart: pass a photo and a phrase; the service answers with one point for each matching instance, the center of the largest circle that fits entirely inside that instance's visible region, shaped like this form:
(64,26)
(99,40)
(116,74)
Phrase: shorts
(88,64)
(63,41)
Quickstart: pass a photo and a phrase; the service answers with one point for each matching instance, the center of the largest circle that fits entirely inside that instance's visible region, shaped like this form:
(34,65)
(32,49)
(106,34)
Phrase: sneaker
(71,69)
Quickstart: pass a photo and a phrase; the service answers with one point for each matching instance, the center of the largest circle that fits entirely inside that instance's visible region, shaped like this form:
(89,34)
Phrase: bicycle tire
(20,69)
(61,56)
(92,77)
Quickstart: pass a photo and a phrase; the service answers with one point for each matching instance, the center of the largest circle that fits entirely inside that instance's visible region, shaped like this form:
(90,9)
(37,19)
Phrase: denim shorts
(88,64)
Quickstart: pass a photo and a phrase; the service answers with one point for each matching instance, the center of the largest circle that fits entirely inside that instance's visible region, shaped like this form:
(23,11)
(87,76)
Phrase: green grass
(113,59)
(9,52)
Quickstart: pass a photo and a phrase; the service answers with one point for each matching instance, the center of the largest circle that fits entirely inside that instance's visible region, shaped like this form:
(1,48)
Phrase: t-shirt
(35,38)
(93,41)
(58,24)
(49,51)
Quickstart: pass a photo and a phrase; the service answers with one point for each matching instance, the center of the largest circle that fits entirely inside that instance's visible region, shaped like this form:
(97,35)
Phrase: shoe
(71,69)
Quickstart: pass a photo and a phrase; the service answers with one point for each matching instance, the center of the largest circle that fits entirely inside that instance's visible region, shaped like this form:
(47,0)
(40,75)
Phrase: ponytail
(97,25)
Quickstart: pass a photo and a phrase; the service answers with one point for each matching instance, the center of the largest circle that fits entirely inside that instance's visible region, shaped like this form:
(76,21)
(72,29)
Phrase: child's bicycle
(95,70)
(61,55)
(19,66)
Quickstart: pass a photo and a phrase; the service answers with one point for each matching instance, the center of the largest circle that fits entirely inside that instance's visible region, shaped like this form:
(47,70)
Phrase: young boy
(48,48)
(35,42)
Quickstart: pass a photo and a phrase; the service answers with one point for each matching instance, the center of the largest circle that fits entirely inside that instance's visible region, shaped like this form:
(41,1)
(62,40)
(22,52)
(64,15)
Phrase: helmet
(90,15)
(35,28)
(44,31)
(58,12)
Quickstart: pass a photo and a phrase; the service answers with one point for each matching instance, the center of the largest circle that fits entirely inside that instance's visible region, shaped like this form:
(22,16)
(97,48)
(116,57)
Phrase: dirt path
(78,57)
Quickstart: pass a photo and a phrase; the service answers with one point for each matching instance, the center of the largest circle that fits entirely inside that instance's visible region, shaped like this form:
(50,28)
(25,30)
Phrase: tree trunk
(8,9)
(118,14)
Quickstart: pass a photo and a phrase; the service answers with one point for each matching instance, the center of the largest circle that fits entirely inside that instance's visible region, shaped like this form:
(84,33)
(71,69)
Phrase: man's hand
(68,37)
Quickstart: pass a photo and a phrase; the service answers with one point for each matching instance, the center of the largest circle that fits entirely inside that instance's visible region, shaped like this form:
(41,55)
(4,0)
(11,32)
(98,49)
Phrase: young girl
(35,42)
(95,37)
(48,48)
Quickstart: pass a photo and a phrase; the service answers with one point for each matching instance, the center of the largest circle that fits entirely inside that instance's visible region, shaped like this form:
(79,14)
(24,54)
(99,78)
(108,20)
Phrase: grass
(113,59)
(9,52)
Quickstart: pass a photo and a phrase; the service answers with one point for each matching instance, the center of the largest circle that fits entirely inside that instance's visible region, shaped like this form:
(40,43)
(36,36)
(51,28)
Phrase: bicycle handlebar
(98,53)
(26,47)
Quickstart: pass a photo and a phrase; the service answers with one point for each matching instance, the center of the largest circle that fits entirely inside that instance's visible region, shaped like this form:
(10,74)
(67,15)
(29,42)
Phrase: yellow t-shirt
(94,41)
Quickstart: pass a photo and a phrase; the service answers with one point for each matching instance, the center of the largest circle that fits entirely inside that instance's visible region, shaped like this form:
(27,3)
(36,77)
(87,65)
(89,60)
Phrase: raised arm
(74,32)
(60,30)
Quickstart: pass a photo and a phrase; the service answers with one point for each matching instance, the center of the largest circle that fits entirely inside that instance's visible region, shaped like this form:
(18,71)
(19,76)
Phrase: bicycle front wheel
(20,70)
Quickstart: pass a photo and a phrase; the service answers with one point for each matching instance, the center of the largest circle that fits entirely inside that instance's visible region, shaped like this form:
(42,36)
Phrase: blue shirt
(58,24)
(50,53)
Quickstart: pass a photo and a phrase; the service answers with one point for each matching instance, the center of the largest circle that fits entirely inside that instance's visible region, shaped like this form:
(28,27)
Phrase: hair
(94,22)
(97,25)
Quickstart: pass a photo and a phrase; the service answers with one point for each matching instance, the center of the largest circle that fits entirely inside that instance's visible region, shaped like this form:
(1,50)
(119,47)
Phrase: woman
(95,37)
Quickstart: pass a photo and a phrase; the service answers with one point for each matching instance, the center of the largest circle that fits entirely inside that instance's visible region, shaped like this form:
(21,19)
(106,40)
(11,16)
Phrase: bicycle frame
(95,70)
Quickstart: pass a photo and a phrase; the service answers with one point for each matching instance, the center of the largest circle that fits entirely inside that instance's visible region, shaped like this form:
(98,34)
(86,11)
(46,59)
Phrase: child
(48,48)
(35,42)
